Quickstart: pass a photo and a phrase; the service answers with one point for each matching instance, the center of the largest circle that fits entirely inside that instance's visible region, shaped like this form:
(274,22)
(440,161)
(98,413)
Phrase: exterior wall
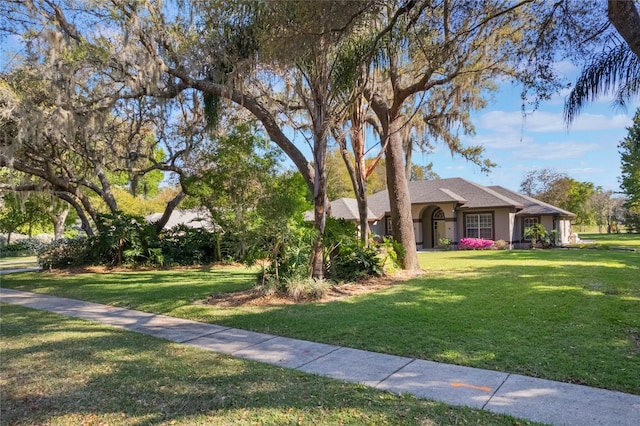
(416,210)
(503,224)
(547,222)
(564,227)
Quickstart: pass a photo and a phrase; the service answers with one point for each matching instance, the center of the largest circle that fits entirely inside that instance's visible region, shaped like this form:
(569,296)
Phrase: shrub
(345,256)
(539,236)
(126,239)
(444,243)
(306,288)
(353,261)
(66,253)
(500,245)
(346,259)
(475,244)
(22,247)
(287,253)
(186,246)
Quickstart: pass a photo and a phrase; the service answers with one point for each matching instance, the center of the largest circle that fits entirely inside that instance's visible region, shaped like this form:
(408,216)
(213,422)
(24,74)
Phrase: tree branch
(623,14)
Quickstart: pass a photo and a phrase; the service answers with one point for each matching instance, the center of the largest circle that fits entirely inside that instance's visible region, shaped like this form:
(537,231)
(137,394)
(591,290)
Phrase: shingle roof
(531,205)
(345,208)
(195,218)
(468,195)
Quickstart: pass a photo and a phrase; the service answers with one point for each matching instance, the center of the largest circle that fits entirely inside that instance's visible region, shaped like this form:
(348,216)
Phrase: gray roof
(531,205)
(194,218)
(345,208)
(467,194)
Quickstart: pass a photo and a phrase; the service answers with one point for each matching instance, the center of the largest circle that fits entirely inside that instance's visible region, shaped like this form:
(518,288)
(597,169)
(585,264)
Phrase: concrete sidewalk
(535,399)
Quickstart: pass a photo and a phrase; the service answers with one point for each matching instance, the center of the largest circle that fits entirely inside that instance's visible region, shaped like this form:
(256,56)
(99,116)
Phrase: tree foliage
(162,69)
(558,189)
(616,69)
(629,149)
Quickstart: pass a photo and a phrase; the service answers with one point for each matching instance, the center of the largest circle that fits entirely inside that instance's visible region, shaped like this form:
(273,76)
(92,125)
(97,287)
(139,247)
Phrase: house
(347,209)
(456,208)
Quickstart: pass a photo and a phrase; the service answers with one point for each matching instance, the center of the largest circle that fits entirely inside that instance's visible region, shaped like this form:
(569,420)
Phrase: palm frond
(616,71)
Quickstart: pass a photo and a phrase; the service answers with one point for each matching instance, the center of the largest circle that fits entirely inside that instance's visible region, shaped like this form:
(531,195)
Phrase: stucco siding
(503,225)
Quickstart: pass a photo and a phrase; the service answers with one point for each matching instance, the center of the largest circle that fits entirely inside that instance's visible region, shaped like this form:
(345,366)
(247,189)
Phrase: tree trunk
(84,220)
(58,220)
(171,205)
(319,192)
(623,14)
(320,214)
(399,200)
(358,174)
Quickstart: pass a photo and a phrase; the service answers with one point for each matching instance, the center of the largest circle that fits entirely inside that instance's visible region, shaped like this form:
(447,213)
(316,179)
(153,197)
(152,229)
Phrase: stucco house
(456,208)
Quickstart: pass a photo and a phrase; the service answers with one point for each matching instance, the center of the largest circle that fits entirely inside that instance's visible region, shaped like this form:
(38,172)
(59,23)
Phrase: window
(479,225)
(528,222)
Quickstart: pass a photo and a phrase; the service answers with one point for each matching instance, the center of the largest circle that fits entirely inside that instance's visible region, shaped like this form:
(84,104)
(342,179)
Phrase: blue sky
(586,151)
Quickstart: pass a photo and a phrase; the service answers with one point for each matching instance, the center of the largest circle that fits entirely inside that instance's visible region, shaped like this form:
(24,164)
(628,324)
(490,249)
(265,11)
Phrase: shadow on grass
(152,291)
(64,371)
(568,319)
(560,315)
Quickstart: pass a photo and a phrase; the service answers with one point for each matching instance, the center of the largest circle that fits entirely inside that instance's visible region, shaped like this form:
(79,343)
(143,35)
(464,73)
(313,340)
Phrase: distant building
(193,218)
(347,209)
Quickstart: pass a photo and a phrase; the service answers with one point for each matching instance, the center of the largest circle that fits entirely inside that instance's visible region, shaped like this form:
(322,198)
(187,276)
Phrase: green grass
(16,262)
(63,371)
(614,240)
(568,315)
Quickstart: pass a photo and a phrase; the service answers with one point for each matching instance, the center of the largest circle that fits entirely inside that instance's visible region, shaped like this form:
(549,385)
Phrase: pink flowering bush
(475,244)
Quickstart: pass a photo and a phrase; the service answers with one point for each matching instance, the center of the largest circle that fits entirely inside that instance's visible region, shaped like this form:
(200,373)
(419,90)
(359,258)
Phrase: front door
(438,226)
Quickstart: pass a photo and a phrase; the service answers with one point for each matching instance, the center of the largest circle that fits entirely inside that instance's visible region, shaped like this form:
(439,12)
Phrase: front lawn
(622,240)
(568,315)
(64,371)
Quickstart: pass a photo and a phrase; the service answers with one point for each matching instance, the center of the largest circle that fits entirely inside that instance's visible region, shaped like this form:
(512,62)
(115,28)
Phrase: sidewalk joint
(496,391)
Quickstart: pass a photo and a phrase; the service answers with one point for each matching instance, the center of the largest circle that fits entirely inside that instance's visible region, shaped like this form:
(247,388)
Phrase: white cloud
(585,171)
(557,150)
(543,122)
(507,140)
(565,68)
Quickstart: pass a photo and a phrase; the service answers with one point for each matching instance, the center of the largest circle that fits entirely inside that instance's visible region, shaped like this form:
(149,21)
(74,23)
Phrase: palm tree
(616,70)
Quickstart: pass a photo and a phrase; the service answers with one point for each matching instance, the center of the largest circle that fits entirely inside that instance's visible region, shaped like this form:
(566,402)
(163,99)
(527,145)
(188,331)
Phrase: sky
(586,151)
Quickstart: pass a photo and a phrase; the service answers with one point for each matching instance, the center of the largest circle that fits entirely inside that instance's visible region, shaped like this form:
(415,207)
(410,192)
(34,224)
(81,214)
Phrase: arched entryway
(438,226)
(433,226)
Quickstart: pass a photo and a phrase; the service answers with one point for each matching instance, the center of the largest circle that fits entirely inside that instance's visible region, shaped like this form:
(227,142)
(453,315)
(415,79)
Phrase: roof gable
(453,190)
(532,206)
